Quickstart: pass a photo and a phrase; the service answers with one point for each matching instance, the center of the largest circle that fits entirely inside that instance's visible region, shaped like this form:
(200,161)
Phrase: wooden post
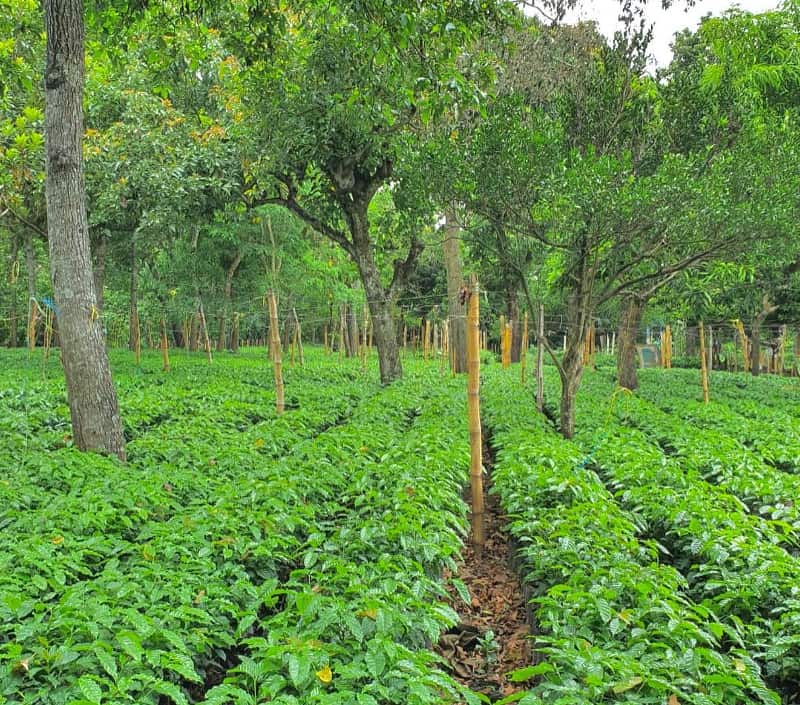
(703,367)
(540,360)
(275,348)
(524,352)
(507,340)
(474,411)
(164,345)
(325,339)
(426,337)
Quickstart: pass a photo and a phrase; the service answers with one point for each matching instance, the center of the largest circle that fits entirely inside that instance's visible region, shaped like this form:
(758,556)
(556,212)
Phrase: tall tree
(96,423)
(341,108)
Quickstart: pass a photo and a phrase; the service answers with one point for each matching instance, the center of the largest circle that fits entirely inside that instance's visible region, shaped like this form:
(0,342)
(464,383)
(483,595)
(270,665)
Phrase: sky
(665,22)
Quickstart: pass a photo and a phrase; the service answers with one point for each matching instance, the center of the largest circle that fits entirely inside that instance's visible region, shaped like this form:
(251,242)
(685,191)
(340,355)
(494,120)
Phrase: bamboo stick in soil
(325,338)
(474,413)
(703,367)
(275,348)
(164,346)
(524,352)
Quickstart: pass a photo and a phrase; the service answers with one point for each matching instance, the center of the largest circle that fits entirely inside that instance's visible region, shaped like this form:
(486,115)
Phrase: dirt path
(492,638)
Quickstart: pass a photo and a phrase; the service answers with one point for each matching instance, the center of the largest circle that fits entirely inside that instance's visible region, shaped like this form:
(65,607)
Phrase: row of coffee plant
(735,561)
(143,582)
(616,624)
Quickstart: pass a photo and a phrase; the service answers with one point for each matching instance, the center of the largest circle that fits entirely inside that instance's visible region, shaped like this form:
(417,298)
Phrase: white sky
(665,22)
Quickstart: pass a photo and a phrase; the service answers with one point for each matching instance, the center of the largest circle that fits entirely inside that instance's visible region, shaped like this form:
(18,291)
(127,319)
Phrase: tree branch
(403,268)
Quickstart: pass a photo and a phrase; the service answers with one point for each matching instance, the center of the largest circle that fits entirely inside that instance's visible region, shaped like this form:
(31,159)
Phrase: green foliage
(296,558)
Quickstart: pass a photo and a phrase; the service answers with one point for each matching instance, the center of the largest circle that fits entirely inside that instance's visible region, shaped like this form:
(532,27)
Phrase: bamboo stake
(540,360)
(325,339)
(474,412)
(703,368)
(524,353)
(164,345)
(425,349)
(275,347)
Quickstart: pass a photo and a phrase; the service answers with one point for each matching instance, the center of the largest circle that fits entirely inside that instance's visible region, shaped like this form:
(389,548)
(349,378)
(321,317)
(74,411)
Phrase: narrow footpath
(493,636)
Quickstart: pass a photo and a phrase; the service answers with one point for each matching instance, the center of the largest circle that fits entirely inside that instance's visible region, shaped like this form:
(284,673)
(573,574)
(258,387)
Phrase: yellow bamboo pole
(164,345)
(703,364)
(275,348)
(524,351)
(474,412)
(426,334)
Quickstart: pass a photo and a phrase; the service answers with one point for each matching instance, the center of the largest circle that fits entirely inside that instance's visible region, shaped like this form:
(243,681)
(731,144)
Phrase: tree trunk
(457,335)
(572,362)
(227,290)
(630,317)
(378,299)
(100,252)
(691,342)
(133,321)
(90,390)
(578,317)
(512,311)
(755,335)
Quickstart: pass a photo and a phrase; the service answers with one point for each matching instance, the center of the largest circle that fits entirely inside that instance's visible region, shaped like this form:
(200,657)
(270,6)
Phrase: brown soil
(475,659)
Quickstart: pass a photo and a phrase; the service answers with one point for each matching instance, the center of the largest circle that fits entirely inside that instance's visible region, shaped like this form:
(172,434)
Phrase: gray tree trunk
(92,399)
(455,283)
(378,299)
(632,308)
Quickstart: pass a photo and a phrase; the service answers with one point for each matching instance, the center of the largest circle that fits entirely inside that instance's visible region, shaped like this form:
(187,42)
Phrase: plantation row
(708,501)
(240,557)
(617,622)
